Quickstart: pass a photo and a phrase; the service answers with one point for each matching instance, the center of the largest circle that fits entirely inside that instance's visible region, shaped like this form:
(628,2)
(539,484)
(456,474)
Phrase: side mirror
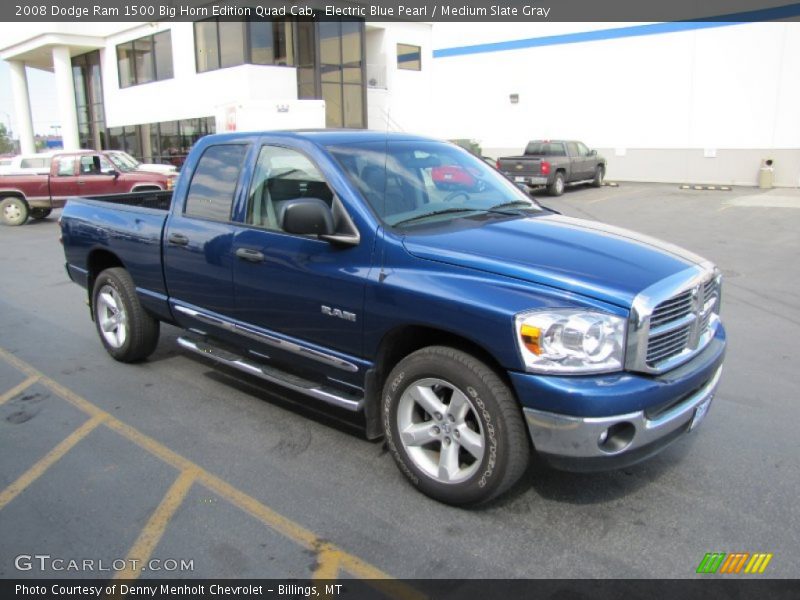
(592,152)
(305,216)
(113,172)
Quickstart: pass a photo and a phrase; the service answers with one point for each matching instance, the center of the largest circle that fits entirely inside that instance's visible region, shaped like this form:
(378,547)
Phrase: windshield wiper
(434,213)
(519,203)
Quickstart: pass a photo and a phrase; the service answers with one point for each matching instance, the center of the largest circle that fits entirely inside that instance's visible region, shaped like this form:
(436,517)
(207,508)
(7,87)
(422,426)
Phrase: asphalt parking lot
(177,460)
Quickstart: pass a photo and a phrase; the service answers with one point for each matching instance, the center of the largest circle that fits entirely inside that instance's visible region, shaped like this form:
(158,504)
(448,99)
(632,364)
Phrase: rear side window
(34,163)
(545,149)
(214,182)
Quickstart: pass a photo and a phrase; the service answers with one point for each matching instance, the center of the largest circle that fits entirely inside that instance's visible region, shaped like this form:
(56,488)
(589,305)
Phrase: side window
(282,174)
(214,182)
(66,166)
(572,147)
(94,164)
(34,163)
(583,150)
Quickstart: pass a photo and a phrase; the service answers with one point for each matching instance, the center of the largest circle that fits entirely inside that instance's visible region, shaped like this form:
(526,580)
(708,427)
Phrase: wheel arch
(98,261)
(402,341)
(14,194)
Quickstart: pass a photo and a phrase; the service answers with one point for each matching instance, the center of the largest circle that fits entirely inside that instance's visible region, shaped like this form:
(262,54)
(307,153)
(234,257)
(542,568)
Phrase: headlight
(571,341)
(171,183)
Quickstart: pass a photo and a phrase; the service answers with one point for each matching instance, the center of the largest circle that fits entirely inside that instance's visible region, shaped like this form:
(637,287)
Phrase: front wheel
(598,176)
(14,211)
(557,187)
(453,426)
(127,331)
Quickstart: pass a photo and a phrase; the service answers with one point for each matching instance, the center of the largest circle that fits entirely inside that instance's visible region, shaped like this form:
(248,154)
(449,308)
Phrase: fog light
(617,437)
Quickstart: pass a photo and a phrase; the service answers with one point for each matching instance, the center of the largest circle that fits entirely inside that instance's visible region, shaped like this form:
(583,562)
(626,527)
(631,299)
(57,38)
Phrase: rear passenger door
(198,256)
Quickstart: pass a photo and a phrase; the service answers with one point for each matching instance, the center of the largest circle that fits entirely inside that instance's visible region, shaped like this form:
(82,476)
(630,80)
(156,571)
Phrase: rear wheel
(557,187)
(14,211)
(127,331)
(453,426)
(40,213)
(598,176)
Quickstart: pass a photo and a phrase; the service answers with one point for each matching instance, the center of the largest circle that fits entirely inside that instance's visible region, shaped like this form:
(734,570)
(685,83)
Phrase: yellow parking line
(328,562)
(154,529)
(18,389)
(245,502)
(49,459)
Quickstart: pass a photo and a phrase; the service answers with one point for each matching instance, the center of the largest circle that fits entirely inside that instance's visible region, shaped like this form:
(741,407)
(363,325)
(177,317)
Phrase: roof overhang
(37,52)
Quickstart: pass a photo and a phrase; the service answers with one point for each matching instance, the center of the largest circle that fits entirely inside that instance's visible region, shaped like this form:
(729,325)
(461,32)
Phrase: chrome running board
(273,375)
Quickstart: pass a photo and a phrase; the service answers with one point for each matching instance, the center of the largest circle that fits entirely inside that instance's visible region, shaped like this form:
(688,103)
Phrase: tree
(6,144)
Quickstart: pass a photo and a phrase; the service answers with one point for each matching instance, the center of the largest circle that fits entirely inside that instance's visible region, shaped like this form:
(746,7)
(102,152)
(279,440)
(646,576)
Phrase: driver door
(96,176)
(296,285)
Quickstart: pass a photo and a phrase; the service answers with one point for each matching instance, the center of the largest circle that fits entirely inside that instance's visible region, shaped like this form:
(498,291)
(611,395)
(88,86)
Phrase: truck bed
(123,225)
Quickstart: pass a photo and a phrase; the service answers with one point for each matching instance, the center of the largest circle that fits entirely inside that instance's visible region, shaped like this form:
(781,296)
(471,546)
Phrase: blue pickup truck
(468,325)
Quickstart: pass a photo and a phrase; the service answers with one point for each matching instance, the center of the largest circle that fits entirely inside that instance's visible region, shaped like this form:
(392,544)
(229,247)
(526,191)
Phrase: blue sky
(42,92)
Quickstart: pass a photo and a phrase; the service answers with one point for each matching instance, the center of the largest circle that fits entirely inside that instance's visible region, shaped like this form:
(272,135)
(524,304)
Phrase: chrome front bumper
(604,438)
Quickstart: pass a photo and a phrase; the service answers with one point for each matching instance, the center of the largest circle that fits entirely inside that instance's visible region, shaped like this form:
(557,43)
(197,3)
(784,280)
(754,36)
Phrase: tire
(467,454)
(598,176)
(40,213)
(557,187)
(14,211)
(127,331)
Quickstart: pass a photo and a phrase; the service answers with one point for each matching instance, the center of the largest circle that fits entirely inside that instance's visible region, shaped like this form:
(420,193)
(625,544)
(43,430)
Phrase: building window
(221,43)
(145,59)
(167,143)
(409,57)
(271,42)
(88,84)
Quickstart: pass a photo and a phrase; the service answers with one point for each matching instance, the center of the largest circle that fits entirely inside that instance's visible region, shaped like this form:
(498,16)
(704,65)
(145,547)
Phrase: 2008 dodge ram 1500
(468,324)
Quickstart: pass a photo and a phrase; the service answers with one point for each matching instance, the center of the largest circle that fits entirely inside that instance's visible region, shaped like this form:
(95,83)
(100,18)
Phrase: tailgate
(524,169)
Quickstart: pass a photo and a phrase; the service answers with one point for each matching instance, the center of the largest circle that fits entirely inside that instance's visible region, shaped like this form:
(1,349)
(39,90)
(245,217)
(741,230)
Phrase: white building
(693,103)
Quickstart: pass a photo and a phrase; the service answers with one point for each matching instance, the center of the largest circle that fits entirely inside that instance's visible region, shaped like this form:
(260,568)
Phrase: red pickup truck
(80,173)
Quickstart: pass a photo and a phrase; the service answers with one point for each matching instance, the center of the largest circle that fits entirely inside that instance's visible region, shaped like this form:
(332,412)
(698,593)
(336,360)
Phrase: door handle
(250,255)
(178,239)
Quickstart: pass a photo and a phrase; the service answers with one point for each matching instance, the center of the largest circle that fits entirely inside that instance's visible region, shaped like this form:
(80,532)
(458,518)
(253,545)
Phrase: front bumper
(639,414)
(597,443)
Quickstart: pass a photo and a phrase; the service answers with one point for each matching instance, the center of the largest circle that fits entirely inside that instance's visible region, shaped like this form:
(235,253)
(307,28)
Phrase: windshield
(409,182)
(123,161)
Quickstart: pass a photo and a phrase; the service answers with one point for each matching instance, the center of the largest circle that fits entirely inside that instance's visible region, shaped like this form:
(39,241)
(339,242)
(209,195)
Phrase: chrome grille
(667,344)
(710,297)
(672,309)
(673,320)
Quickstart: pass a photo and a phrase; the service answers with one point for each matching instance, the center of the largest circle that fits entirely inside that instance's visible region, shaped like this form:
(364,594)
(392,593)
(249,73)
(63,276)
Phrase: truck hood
(585,257)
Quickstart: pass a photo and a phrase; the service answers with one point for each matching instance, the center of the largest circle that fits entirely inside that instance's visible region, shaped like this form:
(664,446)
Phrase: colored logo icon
(737,563)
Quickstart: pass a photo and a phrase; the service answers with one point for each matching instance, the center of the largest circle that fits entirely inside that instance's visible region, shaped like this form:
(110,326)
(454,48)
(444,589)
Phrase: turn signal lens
(531,337)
